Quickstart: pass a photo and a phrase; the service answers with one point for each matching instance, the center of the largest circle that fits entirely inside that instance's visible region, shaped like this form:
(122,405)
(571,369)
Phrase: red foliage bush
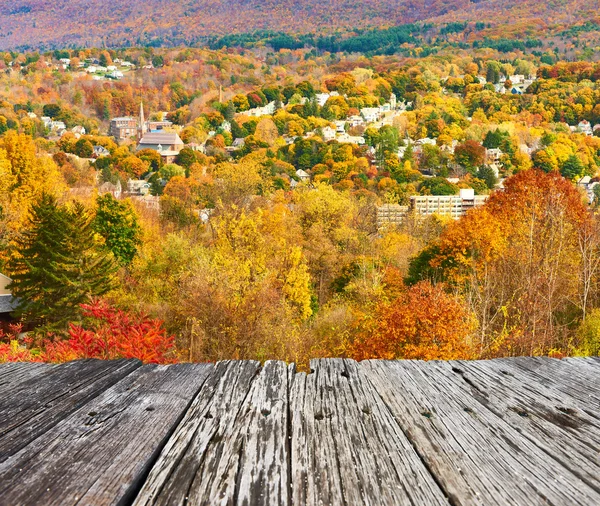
(108,333)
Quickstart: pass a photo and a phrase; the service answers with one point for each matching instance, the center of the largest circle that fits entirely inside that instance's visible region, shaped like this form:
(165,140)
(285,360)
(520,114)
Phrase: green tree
(487,174)
(84,148)
(186,157)
(117,223)
(438,186)
(51,110)
(58,264)
(572,167)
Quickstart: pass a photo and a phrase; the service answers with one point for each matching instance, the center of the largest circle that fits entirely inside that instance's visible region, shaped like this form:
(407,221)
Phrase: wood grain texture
(31,407)
(579,378)
(15,373)
(477,456)
(506,431)
(231,448)
(347,447)
(550,419)
(100,453)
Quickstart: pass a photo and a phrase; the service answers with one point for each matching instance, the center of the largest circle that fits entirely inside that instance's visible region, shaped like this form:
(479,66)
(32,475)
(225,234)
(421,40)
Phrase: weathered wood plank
(580,378)
(32,407)
(15,373)
(231,448)
(346,446)
(477,456)
(101,453)
(548,418)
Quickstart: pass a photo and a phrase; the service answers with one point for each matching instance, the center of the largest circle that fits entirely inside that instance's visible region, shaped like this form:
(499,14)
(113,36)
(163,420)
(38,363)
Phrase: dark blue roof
(7,303)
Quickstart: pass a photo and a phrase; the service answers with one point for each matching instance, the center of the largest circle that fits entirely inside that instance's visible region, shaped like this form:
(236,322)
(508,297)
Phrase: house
(426,140)
(585,127)
(302,175)
(113,189)
(168,144)
(322,98)
(267,110)
(238,143)
(7,302)
(123,127)
(100,151)
(587,185)
(370,114)
(351,139)
(78,130)
(196,147)
(493,155)
(138,187)
(340,127)
(355,121)
(328,133)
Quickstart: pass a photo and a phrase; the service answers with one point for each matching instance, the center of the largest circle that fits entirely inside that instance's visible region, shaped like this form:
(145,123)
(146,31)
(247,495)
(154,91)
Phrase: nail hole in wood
(92,413)
(150,408)
(208,416)
(522,412)
(469,410)
(366,410)
(506,373)
(265,412)
(345,374)
(566,411)
(319,416)
(426,414)
(457,370)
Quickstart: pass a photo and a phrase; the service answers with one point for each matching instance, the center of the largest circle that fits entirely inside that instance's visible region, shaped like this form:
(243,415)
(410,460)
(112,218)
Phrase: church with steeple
(152,136)
(142,126)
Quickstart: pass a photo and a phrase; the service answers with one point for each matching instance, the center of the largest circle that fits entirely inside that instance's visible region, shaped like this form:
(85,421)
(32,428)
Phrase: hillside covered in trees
(267,233)
(32,24)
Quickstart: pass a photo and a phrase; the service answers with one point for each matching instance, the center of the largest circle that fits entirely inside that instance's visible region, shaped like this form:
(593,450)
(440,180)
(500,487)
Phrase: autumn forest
(429,190)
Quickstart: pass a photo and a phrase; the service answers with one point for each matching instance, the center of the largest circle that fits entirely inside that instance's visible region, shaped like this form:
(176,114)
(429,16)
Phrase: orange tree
(423,322)
(521,262)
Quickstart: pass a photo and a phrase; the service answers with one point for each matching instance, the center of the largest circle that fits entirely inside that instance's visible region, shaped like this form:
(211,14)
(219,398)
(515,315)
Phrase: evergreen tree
(117,223)
(58,264)
(487,174)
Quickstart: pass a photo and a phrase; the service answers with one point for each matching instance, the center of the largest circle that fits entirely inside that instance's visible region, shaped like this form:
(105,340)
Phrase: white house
(302,175)
(370,114)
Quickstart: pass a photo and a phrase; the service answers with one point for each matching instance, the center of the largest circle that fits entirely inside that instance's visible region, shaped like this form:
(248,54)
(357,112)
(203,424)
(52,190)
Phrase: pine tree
(58,264)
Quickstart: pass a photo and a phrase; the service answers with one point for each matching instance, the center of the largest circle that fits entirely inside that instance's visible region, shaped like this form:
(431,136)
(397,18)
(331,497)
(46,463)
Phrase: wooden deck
(509,431)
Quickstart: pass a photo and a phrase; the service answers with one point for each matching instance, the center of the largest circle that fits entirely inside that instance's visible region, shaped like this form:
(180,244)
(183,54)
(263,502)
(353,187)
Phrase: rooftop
(506,431)
(7,304)
(164,138)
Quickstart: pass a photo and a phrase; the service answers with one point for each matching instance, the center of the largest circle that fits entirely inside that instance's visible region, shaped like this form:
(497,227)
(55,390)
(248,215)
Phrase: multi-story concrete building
(453,206)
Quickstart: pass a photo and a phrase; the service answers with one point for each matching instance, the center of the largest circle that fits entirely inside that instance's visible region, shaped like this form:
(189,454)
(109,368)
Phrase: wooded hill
(42,24)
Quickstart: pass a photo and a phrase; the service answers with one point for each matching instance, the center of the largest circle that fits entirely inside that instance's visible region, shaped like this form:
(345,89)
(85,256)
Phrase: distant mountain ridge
(44,24)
